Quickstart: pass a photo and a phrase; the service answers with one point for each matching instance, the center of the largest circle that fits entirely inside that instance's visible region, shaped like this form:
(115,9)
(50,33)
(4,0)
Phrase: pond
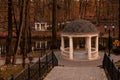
(37,44)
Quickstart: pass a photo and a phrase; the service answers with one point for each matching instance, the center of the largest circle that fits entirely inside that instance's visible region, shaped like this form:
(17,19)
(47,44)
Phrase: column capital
(70,37)
(89,36)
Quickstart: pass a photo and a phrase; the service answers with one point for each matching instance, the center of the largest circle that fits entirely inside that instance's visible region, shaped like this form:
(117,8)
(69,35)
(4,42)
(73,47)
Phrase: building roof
(79,26)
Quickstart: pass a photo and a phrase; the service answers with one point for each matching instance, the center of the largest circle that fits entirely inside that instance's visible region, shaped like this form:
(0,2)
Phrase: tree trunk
(9,38)
(97,3)
(54,24)
(19,29)
(119,23)
(80,7)
(29,43)
(65,10)
(25,33)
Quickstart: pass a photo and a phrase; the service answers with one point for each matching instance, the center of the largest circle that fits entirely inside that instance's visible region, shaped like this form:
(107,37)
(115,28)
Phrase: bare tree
(66,9)
(9,38)
(54,23)
(98,5)
(82,9)
(19,28)
(23,30)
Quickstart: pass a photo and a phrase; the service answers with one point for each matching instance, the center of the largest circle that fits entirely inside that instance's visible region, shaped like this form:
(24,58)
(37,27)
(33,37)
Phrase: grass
(7,71)
(117,63)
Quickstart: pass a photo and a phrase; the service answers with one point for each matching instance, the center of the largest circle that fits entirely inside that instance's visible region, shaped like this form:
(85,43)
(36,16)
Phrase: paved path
(77,70)
(73,73)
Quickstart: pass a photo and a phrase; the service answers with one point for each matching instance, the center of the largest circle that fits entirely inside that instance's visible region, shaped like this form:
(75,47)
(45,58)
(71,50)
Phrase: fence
(38,70)
(112,71)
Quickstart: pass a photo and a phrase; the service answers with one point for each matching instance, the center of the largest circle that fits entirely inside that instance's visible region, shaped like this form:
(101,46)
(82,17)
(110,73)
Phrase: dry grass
(7,71)
(117,63)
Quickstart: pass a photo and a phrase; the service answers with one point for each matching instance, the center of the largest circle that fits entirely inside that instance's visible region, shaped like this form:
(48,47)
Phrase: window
(42,26)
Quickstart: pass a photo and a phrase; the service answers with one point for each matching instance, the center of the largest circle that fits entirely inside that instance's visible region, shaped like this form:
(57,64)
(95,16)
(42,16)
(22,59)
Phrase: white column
(45,44)
(62,44)
(96,46)
(86,43)
(36,44)
(0,49)
(40,44)
(71,48)
(89,47)
(35,26)
(40,28)
(77,44)
(45,26)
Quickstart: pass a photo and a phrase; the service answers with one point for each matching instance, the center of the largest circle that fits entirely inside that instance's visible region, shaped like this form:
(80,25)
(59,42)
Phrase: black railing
(109,66)
(38,70)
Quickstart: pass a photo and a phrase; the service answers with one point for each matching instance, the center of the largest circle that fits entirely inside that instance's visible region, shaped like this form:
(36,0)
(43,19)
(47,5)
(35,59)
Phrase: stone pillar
(96,46)
(62,44)
(71,48)
(89,47)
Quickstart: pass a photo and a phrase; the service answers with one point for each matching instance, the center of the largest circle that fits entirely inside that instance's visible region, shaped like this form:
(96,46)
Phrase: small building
(80,29)
(41,25)
(40,44)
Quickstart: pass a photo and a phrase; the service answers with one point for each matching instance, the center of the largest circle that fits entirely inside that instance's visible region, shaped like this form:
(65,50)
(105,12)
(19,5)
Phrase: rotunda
(80,29)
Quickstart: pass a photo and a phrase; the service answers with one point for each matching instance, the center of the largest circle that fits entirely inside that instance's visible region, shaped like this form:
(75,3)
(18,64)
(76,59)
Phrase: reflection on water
(40,44)
(2,46)
(2,49)
(37,45)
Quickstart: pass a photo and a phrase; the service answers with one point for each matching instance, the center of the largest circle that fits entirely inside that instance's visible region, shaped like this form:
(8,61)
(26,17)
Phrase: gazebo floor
(80,55)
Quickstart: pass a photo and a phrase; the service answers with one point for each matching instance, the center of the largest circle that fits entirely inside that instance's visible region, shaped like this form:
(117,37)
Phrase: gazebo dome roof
(79,27)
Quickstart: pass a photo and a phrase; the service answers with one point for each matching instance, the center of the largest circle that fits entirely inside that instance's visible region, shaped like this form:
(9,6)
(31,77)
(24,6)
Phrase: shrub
(116,50)
(101,47)
(30,58)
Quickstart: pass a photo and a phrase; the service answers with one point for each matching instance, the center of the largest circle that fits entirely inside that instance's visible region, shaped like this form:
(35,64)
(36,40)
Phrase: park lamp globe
(105,27)
(113,27)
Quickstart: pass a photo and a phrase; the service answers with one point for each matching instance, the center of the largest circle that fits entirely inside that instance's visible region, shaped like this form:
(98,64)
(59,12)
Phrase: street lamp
(119,23)
(108,29)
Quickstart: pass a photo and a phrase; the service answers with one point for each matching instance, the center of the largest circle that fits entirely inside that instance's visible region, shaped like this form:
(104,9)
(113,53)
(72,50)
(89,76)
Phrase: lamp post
(119,23)
(108,29)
